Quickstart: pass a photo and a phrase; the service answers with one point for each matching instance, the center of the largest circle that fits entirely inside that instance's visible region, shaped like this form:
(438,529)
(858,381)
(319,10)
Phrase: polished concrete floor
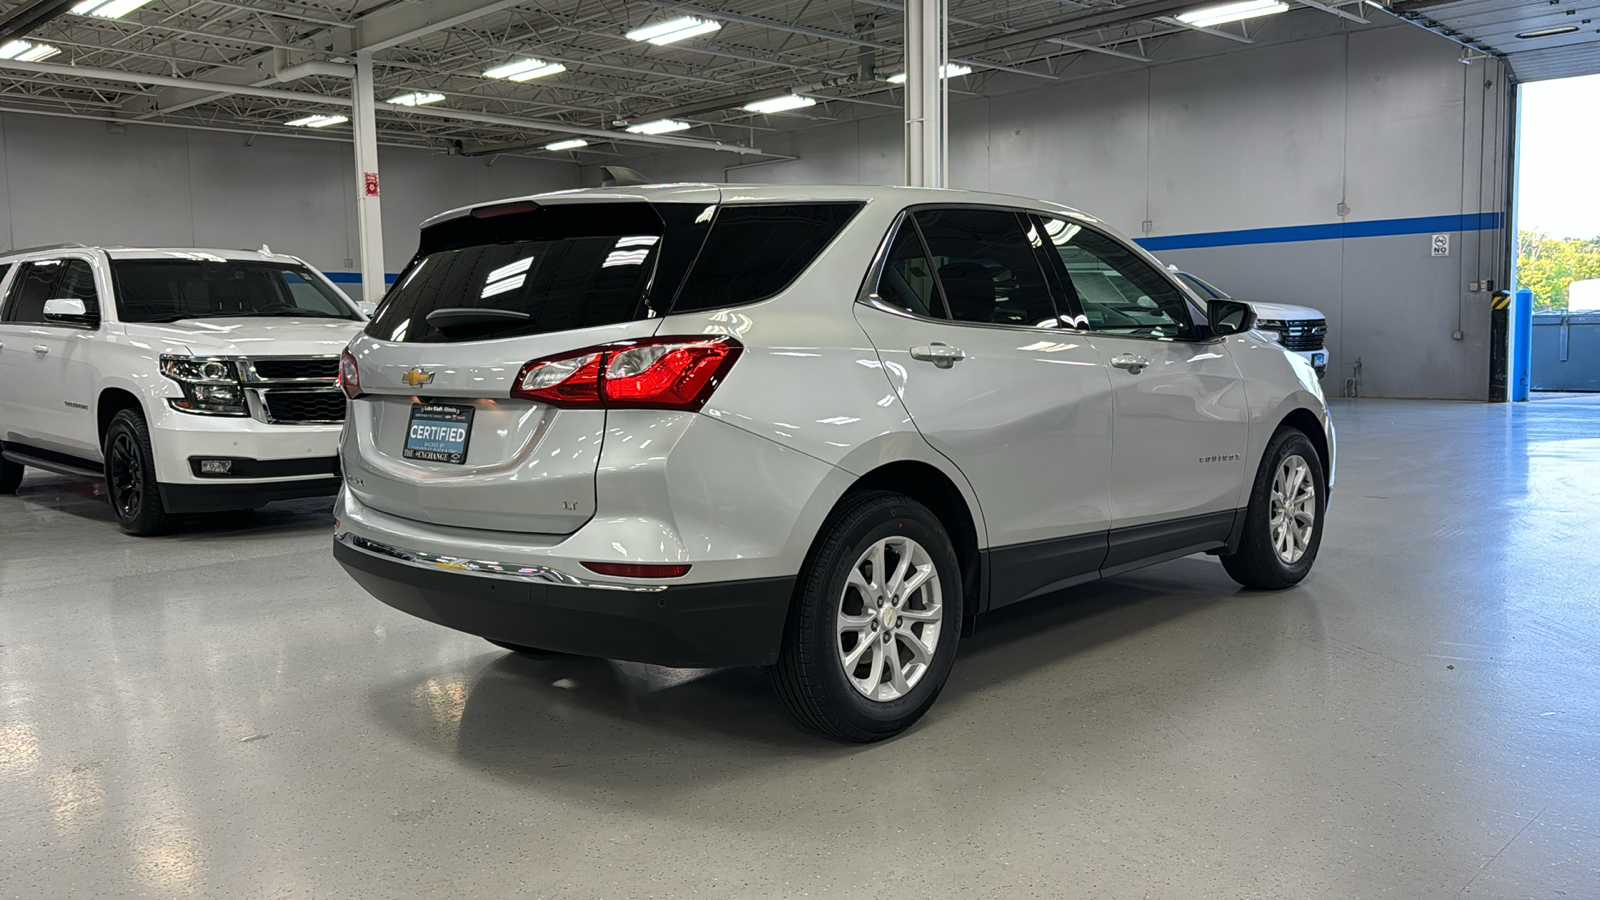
(223,713)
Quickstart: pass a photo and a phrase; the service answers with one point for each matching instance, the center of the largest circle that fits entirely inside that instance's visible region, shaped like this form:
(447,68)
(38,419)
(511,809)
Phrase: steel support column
(927,100)
(369,216)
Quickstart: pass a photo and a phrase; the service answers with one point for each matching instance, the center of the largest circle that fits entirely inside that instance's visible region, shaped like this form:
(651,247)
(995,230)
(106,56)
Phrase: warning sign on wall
(1441,243)
(369,183)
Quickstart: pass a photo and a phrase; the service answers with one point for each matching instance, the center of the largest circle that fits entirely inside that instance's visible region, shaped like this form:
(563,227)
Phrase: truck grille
(1298,334)
(311,367)
(304,406)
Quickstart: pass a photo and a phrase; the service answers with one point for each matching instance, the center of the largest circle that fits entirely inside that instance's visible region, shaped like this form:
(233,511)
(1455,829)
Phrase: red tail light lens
(349,374)
(658,373)
(638,570)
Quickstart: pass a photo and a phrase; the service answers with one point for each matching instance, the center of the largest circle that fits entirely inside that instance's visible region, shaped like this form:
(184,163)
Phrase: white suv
(817,429)
(190,380)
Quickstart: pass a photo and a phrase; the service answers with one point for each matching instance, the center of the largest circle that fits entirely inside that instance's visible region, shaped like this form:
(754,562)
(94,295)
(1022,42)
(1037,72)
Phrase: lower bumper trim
(222,497)
(733,623)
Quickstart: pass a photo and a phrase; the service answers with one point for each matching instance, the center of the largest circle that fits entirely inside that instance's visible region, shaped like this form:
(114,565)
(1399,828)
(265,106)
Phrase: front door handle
(1129,361)
(41,349)
(939,353)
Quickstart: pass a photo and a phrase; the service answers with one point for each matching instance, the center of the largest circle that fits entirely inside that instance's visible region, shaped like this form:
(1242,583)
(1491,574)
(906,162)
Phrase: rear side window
(180,288)
(754,252)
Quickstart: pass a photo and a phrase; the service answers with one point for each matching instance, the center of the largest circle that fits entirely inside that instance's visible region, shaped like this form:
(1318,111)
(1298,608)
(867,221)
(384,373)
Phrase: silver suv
(815,429)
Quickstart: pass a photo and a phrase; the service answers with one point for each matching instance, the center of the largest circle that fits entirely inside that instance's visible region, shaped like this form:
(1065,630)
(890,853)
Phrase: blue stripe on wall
(1329,232)
(355,277)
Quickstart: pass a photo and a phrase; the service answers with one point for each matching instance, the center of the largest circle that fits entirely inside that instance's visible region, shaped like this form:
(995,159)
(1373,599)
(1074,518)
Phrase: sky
(1559,172)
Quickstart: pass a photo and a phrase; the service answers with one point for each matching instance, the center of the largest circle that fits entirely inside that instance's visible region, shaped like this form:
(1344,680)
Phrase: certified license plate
(438,433)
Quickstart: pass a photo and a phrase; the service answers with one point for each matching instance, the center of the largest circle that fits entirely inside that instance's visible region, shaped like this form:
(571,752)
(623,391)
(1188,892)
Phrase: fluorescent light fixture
(524,70)
(659,126)
(948,70)
(1549,32)
(1208,16)
(674,30)
(108,9)
(779,104)
(27,52)
(319,121)
(39,52)
(419,98)
(572,144)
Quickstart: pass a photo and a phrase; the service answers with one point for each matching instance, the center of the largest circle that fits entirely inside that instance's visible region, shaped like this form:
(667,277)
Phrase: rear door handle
(939,353)
(41,349)
(1132,363)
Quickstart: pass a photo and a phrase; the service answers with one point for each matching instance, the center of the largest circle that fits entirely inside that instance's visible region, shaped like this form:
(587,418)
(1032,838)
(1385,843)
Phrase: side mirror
(66,309)
(366,309)
(1230,317)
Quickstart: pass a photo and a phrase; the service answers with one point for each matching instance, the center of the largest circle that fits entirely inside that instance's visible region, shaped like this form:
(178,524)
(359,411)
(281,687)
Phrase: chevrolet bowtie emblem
(417,377)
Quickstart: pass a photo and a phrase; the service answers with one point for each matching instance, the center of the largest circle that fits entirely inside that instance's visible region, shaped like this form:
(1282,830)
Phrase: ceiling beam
(29,16)
(313,101)
(1333,10)
(395,25)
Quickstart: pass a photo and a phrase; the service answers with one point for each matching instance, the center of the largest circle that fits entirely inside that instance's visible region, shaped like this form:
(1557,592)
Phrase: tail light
(657,373)
(349,374)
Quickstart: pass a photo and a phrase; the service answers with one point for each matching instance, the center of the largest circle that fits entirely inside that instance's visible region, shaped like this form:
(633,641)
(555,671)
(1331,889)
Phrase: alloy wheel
(1294,509)
(127,476)
(890,617)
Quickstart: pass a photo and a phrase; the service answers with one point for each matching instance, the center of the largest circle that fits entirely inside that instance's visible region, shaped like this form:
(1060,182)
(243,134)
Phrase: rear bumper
(730,623)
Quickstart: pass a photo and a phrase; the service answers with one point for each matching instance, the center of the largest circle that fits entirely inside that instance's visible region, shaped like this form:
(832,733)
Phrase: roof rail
(72,245)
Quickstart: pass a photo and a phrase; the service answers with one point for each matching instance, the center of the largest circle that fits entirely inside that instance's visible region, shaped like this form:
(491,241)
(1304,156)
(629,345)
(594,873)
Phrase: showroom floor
(224,713)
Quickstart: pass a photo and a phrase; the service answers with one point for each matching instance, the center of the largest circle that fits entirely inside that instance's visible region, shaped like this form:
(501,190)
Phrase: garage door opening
(1558,230)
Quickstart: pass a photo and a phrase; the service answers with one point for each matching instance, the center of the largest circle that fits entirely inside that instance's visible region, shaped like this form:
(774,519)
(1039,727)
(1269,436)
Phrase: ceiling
(1540,39)
(255,65)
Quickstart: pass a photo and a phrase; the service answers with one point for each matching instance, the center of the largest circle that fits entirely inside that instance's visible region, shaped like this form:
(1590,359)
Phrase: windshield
(171,290)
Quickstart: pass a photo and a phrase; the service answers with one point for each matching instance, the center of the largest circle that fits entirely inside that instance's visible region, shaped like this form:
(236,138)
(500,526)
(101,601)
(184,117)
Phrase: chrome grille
(304,406)
(1298,334)
(286,369)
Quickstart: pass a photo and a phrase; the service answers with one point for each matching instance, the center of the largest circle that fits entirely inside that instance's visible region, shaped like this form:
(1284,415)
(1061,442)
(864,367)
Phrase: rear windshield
(537,270)
(172,290)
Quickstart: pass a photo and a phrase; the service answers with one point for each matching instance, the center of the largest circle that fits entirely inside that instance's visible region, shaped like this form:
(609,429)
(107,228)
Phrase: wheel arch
(928,485)
(1305,421)
(111,401)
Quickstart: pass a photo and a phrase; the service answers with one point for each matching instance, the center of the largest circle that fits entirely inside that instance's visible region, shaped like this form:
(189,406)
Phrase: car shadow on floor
(86,500)
(566,722)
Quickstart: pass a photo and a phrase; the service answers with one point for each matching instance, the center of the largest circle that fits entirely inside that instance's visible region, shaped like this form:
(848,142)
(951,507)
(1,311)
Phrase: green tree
(1546,265)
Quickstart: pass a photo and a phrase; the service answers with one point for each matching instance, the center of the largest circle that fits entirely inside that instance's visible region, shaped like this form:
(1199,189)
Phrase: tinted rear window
(571,266)
(556,267)
(754,252)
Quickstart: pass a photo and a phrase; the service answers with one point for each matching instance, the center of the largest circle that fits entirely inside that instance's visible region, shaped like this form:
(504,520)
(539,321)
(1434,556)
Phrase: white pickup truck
(188,380)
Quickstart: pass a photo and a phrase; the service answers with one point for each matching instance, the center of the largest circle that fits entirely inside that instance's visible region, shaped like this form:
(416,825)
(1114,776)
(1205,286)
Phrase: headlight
(1271,329)
(210,386)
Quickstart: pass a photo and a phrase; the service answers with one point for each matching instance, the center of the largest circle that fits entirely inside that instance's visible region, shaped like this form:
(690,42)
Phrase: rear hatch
(436,435)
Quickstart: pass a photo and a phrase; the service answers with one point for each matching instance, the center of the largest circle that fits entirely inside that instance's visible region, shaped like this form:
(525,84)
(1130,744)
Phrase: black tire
(10,475)
(131,477)
(810,674)
(520,650)
(1257,563)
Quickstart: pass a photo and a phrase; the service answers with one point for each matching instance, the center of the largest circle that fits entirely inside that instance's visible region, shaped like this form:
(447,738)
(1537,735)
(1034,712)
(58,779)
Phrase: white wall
(72,180)
(1271,135)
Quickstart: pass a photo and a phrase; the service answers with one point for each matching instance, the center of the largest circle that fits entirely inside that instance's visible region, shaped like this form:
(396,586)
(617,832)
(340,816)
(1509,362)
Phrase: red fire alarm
(369,181)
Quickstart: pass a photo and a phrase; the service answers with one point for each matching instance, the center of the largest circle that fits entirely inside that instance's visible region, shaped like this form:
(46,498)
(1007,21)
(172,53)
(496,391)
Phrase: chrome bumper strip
(484,568)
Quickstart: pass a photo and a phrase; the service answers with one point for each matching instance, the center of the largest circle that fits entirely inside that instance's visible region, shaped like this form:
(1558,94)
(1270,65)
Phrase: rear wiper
(460,316)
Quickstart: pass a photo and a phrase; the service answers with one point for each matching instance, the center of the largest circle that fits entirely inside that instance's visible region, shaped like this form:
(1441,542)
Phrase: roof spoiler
(621,176)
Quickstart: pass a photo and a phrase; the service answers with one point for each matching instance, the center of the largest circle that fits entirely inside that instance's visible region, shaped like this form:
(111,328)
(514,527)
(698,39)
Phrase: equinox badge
(417,377)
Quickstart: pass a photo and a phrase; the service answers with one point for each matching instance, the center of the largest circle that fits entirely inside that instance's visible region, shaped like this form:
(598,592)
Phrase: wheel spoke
(916,581)
(897,675)
(849,623)
(854,656)
(920,652)
(892,588)
(932,614)
(877,560)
